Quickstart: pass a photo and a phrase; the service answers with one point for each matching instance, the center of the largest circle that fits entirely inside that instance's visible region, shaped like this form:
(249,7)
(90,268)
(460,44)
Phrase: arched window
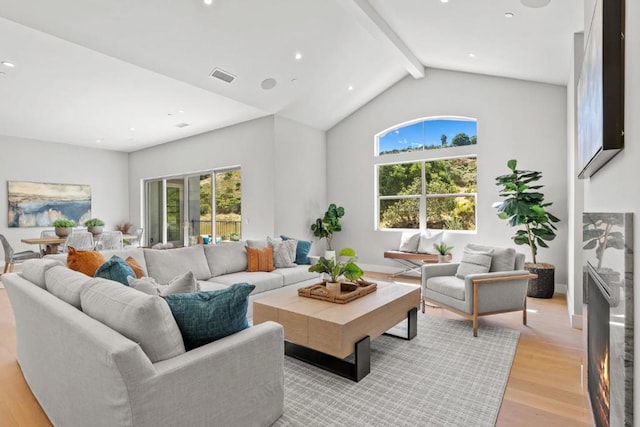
(437,191)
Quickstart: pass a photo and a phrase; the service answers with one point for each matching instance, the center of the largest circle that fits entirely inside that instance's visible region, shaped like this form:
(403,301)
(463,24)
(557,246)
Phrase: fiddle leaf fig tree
(324,227)
(523,206)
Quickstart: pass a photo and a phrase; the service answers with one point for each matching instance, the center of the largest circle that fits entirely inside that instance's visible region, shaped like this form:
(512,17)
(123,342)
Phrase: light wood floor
(544,387)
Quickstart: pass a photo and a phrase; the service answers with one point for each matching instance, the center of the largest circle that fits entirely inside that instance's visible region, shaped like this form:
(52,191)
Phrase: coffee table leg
(412,325)
(353,371)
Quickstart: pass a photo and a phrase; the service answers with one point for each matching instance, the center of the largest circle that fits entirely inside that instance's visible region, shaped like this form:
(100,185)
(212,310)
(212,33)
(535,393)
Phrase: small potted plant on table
(95,226)
(337,269)
(63,227)
(444,251)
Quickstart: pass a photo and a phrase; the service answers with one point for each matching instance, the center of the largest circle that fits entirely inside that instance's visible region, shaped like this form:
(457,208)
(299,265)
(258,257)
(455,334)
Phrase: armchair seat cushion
(447,285)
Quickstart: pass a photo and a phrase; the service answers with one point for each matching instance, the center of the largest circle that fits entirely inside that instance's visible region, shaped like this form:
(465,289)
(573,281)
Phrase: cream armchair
(488,280)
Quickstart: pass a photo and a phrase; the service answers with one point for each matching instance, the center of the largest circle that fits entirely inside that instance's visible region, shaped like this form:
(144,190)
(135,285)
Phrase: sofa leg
(475,308)
(475,325)
(422,304)
(524,312)
(6,267)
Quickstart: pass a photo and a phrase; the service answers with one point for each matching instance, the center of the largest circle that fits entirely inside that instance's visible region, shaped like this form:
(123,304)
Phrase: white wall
(282,164)
(300,180)
(37,161)
(615,187)
(516,119)
(575,191)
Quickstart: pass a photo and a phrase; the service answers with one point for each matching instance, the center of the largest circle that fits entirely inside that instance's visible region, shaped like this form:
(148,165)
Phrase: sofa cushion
(297,274)
(427,239)
(447,285)
(473,262)
(182,284)
(34,270)
(137,269)
(257,243)
(502,259)
(116,269)
(260,259)
(204,317)
(303,248)
(284,252)
(211,285)
(164,265)
(86,262)
(263,281)
(226,258)
(144,319)
(135,253)
(66,284)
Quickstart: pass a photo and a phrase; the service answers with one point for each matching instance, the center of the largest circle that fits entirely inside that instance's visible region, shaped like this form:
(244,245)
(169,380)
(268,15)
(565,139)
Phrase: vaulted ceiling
(124,75)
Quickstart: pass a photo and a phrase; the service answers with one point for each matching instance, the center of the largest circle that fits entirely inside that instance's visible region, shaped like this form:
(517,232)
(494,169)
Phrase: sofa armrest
(497,291)
(237,380)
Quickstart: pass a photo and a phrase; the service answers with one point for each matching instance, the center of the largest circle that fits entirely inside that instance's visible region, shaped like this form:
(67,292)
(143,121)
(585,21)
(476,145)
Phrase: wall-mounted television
(601,89)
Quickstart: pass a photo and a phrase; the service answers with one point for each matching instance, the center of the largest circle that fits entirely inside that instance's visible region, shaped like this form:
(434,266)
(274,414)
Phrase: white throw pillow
(427,239)
(183,284)
(284,252)
(409,241)
(473,262)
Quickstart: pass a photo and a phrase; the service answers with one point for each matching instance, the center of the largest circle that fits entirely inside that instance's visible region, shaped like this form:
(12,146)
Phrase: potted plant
(443,250)
(524,207)
(234,237)
(94,226)
(63,227)
(323,228)
(344,267)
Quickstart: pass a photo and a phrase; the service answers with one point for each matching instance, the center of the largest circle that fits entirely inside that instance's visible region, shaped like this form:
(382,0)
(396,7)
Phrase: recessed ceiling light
(350,88)
(99,140)
(132,129)
(509,15)
(181,111)
(472,55)
(294,81)
(444,1)
(535,3)
(208,2)
(8,64)
(298,56)
(268,84)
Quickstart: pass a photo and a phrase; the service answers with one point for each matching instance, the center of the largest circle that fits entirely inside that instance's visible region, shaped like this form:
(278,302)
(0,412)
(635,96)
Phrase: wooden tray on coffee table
(349,292)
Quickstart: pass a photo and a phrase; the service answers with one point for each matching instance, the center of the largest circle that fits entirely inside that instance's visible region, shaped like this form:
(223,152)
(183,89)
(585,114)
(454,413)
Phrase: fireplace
(608,258)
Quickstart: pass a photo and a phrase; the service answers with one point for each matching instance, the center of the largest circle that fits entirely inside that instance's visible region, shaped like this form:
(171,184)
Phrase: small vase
(96,230)
(443,258)
(334,287)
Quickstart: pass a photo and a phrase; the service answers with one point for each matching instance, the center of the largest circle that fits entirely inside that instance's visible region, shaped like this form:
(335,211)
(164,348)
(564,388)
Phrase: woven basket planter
(544,285)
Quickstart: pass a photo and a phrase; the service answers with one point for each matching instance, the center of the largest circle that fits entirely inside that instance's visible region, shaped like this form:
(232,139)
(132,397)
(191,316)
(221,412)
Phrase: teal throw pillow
(207,316)
(115,269)
(302,251)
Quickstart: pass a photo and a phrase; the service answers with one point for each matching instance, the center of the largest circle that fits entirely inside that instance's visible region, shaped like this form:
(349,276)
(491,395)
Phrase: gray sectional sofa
(83,371)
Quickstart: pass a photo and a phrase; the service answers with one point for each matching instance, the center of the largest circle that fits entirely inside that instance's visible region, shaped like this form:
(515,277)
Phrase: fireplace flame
(603,387)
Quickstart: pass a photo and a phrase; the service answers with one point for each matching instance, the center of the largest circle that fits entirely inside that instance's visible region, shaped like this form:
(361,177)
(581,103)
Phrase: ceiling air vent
(222,75)
(182,125)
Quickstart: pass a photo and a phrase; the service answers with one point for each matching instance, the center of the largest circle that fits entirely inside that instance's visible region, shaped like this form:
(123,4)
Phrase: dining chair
(79,240)
(45,234)
(109,240)
(137,240)
(11,257)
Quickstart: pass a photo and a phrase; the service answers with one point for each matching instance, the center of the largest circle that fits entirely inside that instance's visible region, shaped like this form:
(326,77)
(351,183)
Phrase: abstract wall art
(38,204)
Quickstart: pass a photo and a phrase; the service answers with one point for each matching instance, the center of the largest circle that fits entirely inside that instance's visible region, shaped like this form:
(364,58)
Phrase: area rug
(443,377)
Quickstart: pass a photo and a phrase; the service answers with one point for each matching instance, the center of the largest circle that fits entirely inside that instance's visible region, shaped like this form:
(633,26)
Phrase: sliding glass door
(181,209)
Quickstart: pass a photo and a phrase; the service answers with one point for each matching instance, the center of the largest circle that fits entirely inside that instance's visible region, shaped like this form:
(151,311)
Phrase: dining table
(51,243)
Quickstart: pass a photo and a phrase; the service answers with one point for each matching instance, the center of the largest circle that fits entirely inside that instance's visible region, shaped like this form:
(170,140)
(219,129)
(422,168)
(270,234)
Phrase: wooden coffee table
(324,333)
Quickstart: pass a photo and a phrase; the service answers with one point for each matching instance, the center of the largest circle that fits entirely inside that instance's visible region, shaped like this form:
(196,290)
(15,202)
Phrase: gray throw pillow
(284,252)
(473,262)
(183,284)
(502,259)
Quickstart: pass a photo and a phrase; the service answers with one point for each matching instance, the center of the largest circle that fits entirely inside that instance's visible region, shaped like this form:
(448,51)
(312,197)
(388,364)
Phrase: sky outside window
(425,135)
